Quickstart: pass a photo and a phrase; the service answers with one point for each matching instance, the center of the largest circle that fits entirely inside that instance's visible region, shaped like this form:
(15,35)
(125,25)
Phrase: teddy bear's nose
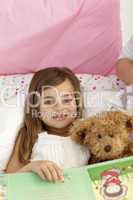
(107,148)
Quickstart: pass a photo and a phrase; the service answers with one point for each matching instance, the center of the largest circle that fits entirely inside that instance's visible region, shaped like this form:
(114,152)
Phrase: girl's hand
(47,170)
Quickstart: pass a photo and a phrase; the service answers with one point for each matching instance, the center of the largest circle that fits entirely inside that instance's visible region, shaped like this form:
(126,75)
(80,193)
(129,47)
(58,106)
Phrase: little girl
(43,145)
(125,63)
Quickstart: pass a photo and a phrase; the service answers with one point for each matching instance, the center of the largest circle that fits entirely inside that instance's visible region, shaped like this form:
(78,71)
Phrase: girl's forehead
(65,88)
(56,92)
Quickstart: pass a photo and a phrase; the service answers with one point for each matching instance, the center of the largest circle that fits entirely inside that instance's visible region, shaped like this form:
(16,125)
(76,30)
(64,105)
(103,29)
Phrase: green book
(28,186)
(112,180)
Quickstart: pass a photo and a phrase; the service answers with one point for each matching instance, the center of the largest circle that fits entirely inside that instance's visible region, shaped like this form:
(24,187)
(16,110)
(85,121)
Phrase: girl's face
(58,105)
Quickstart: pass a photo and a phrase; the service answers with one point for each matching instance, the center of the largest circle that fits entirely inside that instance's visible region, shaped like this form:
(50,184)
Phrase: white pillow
(13,89)
(10,122)
(105,100)
(102,93)
(129,98)
(99,101)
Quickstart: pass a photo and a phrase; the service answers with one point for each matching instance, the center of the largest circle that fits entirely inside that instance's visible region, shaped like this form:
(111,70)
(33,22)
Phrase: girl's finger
(53,173)
(47,173)
(40,173)
(59,172)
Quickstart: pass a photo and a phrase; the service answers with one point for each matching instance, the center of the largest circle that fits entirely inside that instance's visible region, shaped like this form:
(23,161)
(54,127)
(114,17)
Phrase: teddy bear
(107,135)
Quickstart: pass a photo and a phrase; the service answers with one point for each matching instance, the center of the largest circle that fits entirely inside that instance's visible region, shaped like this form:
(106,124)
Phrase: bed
(28,46)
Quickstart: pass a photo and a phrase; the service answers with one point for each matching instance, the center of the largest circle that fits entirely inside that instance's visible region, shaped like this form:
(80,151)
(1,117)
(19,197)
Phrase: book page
(28,186)
(125,186)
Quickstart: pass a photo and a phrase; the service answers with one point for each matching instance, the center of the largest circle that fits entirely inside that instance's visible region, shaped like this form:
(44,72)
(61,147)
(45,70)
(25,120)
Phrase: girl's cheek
(73,112)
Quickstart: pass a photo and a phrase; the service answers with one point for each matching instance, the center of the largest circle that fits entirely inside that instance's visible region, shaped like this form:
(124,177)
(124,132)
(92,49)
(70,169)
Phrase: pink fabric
(82,34)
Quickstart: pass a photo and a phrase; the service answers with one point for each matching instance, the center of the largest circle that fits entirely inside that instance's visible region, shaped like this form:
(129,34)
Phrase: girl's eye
(99,136)
(67,100)
(49,102)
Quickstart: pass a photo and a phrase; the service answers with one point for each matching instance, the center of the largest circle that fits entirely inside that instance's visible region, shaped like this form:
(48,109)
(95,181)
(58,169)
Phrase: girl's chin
(60,124)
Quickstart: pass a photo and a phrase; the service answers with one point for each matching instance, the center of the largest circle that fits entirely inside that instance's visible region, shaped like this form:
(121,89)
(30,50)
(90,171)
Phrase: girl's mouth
(60,117)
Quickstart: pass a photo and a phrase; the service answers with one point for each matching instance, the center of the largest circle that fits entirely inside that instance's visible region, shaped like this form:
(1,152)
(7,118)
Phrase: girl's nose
(59,105)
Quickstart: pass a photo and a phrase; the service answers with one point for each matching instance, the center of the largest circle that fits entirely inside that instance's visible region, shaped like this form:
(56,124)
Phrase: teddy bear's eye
(99,136)
(111,136)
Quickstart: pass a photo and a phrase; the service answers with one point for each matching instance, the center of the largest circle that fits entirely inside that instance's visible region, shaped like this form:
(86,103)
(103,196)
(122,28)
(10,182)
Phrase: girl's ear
(78,131)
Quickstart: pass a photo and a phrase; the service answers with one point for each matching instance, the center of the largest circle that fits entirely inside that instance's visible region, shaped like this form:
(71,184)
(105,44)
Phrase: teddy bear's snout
(107,148)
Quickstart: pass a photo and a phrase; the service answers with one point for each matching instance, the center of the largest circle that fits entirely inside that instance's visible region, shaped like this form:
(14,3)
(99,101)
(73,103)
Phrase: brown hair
(32,126)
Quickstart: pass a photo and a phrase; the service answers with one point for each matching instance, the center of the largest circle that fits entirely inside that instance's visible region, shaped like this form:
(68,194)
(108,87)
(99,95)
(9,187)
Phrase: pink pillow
(82,34)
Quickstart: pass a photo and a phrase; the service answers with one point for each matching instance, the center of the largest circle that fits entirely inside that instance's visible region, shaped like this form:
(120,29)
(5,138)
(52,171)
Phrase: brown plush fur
(107,135)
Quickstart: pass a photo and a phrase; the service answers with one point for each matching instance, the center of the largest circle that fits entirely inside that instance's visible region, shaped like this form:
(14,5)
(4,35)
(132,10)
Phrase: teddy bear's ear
(78,131)
(129,123)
